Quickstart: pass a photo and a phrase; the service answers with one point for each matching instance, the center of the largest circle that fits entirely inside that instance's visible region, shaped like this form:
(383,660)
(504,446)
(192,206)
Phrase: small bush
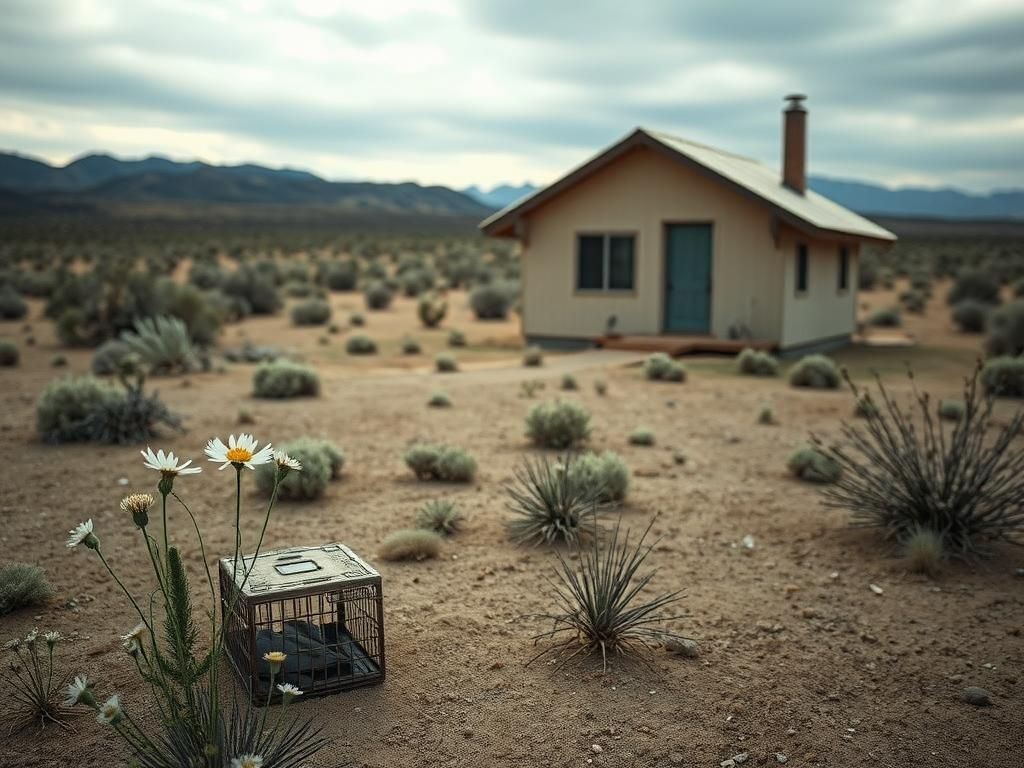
(58,361)
(887,317)
(431,310)
(439,516)
(815,372)
(9,354)
(439,400)
(601,387)
(67,408)
(283,379)
(641,436)
(924,552)
(360,344)
(491,301)
(299,289)
(606,472)
(569,383)
(1006,330)
(109,357)
(257,288)
(378,296)
(533,357)
(1003,376)
(22,585)
(661,367)
(357,320)
(341,276)
(446,363)
(411,544)
(321,462)
(752,362)
(311,312)
(410,346)
(811,465)
(552,502)
(971,316)
(914,301)
(951,410)
(131,417)
(456,338)
(441,463)
(559,425)
(162,343)
(766,417)
(12,306)
(975,285)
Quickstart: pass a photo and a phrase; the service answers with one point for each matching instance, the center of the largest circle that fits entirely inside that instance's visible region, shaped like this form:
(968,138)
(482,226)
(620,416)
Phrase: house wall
(639,193)
(823,312)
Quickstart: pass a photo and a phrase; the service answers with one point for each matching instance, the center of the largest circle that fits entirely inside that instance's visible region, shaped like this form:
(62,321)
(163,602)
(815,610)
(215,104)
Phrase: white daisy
(81,533)
(30,638)
(247,761)
(79,692)
(167,463)
(52,637)
(110,713)
(288,690)
(242,452)
(284,461)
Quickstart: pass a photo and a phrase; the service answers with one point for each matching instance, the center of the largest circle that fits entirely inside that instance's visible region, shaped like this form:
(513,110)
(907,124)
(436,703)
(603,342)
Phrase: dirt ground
(798,656)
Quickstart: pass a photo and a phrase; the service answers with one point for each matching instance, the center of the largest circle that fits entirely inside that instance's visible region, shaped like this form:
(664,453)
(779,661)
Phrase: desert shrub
(284,378)
(12,306)
(202,312)
(603,606)
(606,472)
(661,367)
(439,400)
(440,462)
(132,416)
(491,301)
(341,276)
(299,289)
(446,363)
(951,410)
(456,338)
(560,424)
(1003,376)
(431,310)
(162,344)
(601,387)
(311,312)
(205,275)
(914,301)
(440,516)
(867,274)
(34,682)
(252,353)
(58,361)
(976,285)
(887,317)
(411,544)
(924,552)
(22,585)
(766,417)
(256,287)
(9,354)
(410,346)
(533,357)
(357,319)
(905,471)
(360,344)
(1006,330)
(109,357)
(321,462)
(752,362)
(378,296)
(971,316)
(551,502)
(813,466)
(815,372)
(641,436)
(569,383)
(1018,288)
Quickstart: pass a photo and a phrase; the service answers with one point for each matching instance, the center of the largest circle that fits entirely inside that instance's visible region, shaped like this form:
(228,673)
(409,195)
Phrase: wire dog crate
(322,606)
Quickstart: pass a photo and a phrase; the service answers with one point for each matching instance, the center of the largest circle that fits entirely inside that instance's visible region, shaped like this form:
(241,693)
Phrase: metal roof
(808,211)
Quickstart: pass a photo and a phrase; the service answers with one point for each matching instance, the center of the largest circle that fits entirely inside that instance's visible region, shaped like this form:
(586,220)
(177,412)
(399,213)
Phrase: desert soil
(798,655)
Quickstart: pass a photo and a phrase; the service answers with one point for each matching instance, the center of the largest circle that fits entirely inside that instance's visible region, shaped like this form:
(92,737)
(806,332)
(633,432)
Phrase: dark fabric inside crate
(316,654)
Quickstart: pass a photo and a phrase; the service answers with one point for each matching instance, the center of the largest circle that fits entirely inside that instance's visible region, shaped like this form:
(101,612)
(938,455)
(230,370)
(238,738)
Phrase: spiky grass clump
(661,367)
(560,424)
(552,502)
(951,410)
(813,466)
(9,354)
(533,357)
(34,680)
(21,585)
(606,472)
(311,312)
(641,436)
(752,362)
(321,461)
(864,407)
(439,400)
(283,379)
(162,343)
(445,362)
(440,462)
(360,344)
(815,372)
(411,544)
(907,470)
(599,607)
(440,516)
(1003,376)
(924,552)
(109,357)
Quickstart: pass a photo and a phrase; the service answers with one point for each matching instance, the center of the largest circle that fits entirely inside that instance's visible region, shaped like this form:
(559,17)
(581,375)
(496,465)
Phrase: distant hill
(857,196)
(101,180)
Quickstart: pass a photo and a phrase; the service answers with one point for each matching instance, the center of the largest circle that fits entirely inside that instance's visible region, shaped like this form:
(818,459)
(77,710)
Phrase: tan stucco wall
(639,193)
(822,312)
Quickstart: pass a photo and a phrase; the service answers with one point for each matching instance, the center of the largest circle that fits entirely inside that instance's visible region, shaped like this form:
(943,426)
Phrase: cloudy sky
(483,91)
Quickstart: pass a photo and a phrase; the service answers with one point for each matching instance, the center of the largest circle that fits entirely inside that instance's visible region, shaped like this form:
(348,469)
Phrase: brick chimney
(794,143)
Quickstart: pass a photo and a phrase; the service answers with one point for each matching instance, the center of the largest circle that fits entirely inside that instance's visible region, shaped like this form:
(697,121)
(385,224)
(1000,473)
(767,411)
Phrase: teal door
(688,278)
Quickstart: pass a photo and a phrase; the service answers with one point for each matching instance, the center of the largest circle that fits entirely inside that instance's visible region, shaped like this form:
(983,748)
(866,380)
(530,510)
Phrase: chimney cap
(795,100)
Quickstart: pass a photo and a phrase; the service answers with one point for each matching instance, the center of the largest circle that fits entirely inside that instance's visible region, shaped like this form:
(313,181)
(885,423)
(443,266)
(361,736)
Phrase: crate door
(687,278)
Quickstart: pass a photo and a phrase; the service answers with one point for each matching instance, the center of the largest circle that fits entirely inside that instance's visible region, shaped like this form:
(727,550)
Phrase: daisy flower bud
(137,505)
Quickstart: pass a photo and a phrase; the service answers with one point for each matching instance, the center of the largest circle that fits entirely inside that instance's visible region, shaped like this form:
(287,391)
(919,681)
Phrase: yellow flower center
(238,455)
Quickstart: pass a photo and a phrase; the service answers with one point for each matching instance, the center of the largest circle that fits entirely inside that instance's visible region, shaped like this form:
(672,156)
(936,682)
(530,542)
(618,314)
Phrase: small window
(844,268)
(801,268)
(605,262)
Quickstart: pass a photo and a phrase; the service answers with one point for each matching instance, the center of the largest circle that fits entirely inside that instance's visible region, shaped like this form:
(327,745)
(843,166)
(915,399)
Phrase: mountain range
(100,180)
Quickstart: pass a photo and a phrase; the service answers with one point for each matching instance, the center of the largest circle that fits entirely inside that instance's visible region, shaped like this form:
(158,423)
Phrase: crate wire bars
(322,606)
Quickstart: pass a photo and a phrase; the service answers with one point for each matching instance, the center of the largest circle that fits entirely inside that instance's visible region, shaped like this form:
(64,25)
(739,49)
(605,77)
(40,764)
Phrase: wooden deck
(681,345)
